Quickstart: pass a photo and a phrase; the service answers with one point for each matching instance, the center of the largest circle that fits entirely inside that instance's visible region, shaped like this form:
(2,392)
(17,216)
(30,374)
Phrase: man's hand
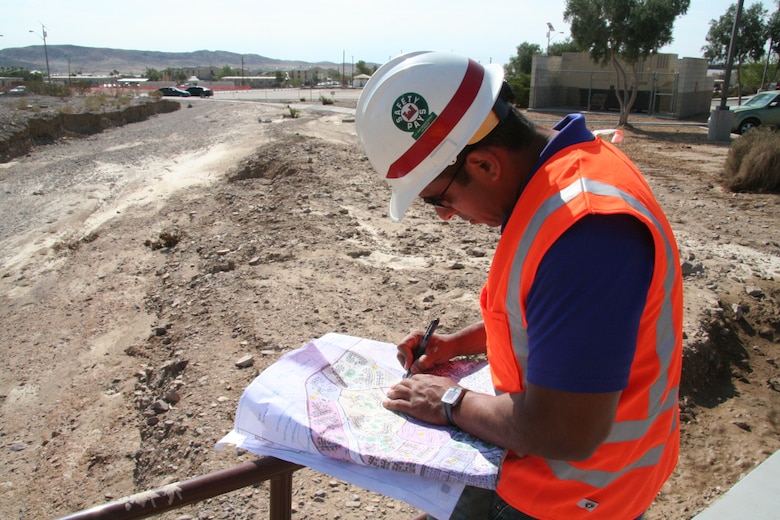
(420,397)
(437,352)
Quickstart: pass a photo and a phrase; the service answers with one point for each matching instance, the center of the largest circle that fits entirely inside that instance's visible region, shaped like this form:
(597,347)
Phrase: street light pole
(45,51)
(550,31)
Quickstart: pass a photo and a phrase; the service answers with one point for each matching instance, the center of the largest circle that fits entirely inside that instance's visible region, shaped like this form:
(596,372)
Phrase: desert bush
(753,162)
(294,112)
(326,100)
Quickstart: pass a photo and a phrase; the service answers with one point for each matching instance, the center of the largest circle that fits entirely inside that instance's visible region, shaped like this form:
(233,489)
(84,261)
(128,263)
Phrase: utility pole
(729,61)
(721,118)
(766,65)
(45,50)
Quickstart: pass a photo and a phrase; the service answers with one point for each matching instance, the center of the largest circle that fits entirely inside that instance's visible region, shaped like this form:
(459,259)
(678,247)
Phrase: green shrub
(521,87)
(753,162)
(294,112)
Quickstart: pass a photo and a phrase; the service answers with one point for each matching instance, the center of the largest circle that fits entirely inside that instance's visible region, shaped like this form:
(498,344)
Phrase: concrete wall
(694,87)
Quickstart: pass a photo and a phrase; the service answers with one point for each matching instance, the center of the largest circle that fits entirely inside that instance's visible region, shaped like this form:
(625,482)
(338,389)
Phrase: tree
(622,33)
(557,49)
(362,68)
(750,38)
(518,72)
(152,74)
(227,70)
(522,61)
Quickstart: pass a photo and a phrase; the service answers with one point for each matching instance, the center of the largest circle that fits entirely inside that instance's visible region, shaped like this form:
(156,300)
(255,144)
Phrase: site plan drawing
(322,403)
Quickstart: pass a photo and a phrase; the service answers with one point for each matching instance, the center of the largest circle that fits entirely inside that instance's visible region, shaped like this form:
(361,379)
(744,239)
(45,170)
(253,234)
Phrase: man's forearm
(469,340)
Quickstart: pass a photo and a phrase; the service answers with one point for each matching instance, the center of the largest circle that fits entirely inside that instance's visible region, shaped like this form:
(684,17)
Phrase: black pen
(420,350)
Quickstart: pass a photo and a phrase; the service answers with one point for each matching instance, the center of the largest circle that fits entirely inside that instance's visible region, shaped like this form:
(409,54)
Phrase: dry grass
(753,162)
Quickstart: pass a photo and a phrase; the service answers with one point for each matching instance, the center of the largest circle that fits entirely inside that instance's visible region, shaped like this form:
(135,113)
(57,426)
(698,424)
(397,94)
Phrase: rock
(754,291)
(160,406)
(690,268)
(172,396)
(175,365)
(246,361)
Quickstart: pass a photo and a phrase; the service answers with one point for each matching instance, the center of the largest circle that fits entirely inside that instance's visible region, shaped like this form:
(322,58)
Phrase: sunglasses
(438,201)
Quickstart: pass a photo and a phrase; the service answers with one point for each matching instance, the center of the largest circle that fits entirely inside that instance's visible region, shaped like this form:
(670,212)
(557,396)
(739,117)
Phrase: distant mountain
(91,60)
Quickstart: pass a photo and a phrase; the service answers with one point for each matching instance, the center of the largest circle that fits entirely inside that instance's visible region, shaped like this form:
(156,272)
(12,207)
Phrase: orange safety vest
(623,476)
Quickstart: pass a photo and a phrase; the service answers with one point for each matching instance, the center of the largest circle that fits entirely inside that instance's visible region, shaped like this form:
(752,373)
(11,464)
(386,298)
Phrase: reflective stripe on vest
(665,338)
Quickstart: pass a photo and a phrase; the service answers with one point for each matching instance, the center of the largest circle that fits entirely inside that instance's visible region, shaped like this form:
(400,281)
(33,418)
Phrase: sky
(488,31)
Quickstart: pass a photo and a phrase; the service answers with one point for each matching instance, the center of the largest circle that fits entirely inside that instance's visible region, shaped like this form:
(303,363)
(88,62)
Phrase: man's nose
(445,213)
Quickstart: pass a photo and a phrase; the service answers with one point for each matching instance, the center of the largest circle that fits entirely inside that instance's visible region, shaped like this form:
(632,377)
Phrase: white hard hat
(418,111)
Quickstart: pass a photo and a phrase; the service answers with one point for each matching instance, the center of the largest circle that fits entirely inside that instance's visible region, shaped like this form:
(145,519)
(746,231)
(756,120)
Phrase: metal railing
(179,494)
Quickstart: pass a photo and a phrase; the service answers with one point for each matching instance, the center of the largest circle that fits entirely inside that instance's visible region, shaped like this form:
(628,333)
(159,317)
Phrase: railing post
(281,497)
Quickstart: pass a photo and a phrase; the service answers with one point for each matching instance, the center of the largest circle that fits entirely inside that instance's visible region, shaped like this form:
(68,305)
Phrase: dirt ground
(138,265)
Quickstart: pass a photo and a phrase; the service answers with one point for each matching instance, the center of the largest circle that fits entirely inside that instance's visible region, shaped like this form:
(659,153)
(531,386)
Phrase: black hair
(514,131)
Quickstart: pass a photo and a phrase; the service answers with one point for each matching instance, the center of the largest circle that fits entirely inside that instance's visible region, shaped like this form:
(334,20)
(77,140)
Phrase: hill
(64,59)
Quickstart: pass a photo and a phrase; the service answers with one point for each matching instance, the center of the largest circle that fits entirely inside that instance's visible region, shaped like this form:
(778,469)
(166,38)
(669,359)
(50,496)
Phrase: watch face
(451,395)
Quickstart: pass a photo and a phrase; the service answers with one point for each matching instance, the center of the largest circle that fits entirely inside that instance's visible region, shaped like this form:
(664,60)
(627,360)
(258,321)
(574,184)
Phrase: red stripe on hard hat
(443,125)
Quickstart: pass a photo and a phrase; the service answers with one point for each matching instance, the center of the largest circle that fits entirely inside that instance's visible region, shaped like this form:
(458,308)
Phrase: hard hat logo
(411,114)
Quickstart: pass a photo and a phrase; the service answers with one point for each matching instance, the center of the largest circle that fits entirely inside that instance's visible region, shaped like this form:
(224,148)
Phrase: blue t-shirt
(586,301)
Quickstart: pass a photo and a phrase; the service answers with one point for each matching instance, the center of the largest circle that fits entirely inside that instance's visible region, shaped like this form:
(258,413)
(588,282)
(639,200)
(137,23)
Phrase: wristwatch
(450,400)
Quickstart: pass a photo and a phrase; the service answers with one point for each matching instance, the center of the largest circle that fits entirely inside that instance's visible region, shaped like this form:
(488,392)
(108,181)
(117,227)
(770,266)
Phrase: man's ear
(484,162)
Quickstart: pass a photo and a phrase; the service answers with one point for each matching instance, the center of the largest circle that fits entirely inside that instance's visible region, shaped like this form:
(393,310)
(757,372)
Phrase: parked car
(173,91)
(197,90)
(21,90)
(761,109)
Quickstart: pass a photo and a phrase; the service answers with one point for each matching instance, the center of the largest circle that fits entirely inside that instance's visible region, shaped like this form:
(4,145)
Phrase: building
(360,80)
(669,86)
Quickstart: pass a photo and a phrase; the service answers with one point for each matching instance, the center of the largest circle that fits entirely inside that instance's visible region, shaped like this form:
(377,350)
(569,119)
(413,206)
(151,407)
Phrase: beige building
(667,85)
(306,76)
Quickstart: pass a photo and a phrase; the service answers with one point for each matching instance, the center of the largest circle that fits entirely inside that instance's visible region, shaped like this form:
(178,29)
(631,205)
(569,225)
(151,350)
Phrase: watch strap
(448,406)
(448,414)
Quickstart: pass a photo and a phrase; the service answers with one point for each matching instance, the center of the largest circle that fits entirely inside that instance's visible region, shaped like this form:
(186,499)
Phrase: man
(582,308)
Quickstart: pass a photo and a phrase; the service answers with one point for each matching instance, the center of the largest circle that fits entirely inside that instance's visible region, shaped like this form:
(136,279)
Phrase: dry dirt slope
(289,244)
